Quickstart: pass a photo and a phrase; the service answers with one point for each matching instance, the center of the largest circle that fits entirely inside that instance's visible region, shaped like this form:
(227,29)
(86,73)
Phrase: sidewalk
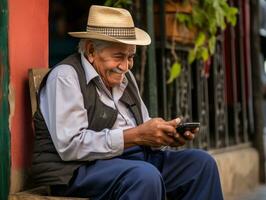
(259,193)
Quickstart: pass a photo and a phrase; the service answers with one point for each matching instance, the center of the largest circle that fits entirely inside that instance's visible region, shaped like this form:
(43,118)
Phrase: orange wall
(28,47)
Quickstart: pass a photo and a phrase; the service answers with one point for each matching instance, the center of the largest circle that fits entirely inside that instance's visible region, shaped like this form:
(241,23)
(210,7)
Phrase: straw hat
(112,24)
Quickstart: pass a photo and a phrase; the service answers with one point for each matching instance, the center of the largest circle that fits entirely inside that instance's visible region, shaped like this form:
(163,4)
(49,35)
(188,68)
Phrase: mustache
(117,70)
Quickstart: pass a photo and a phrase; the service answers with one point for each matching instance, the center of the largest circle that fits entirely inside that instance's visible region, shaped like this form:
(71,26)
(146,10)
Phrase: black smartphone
(187,126)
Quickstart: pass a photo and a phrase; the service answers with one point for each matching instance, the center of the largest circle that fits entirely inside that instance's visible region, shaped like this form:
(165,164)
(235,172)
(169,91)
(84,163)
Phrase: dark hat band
(116,32)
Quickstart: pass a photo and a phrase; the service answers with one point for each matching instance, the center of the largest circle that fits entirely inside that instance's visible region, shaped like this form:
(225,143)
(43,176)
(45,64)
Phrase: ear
(90,51)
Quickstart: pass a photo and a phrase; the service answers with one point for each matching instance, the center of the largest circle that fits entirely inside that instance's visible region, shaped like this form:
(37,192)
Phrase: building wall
(28,48)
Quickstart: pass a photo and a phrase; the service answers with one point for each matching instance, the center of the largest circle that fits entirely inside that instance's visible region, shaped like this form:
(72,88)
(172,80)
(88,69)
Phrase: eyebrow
(123,54)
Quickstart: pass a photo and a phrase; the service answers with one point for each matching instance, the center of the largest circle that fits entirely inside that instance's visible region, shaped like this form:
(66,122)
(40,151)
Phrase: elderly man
(94,137)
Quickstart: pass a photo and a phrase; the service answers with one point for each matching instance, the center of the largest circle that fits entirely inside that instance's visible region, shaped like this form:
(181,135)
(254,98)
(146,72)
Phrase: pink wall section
(28,48)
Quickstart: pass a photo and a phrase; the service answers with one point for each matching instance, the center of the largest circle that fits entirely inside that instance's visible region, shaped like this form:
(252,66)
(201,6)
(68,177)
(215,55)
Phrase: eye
(131,57)
(118,57)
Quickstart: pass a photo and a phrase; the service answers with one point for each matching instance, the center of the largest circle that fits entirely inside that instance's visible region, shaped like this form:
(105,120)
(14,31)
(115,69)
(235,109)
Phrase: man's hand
(187,135)
(156,133)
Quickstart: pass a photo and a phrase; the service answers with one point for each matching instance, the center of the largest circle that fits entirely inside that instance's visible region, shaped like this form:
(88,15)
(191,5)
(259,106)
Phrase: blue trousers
(148,175)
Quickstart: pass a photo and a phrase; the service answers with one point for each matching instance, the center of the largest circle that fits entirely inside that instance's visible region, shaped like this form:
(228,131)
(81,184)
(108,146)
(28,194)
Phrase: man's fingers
(166,128)
(189,135)
(169,141)
(178,121)
(175,122)
(179,139)
(195,131)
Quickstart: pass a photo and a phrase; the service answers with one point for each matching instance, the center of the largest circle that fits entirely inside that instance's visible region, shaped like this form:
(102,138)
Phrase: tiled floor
(258,194)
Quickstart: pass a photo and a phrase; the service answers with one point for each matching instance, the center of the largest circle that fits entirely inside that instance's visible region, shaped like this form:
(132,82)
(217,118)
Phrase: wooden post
(257,87)
(4,107)
(152,73)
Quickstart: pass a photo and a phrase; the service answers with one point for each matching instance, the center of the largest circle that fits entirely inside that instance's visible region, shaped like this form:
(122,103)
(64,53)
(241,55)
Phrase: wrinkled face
(112,62)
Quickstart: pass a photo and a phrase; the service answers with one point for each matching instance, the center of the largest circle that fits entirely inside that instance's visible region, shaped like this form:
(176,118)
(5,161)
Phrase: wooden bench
(41,193)
(35,79)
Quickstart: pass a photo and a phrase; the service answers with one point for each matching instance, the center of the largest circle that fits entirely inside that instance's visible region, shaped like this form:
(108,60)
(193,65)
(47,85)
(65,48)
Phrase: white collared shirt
(62,106)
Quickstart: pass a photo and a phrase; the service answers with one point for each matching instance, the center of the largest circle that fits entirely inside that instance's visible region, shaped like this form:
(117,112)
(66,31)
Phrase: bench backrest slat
(35,77)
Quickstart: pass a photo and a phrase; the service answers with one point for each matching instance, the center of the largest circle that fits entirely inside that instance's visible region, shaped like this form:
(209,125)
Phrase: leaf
(208,17)
(182,18)
(200,39)
(108,3)
(199,17)
(204,54)
(191,56)
(122,3)
(174,72)
(231,16)
(212,44)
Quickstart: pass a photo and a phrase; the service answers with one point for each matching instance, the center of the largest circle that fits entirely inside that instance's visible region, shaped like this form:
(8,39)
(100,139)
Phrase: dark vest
(47,166)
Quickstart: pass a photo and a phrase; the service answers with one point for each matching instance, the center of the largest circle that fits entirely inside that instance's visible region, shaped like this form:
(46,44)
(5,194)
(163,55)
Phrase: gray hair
(97,44)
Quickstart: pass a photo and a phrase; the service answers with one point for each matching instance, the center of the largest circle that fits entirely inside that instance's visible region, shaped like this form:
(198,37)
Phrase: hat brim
(142,38)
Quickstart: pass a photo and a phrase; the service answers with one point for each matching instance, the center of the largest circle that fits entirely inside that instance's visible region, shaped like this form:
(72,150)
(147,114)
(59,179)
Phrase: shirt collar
(90,72)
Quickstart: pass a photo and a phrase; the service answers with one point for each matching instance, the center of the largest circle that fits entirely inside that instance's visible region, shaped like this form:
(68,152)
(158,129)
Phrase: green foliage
(175,72)
(118,3)
(208,17)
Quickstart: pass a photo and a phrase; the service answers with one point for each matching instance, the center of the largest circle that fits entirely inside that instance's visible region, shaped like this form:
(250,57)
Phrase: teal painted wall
(4,106)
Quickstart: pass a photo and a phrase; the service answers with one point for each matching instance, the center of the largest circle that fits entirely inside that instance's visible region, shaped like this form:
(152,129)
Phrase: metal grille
(219,101)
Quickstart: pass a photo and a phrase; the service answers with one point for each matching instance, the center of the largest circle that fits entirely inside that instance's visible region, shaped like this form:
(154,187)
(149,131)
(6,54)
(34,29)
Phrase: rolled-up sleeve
(66,118)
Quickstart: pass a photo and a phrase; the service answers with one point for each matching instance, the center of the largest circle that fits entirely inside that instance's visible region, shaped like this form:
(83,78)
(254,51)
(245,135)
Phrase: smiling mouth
(117,71)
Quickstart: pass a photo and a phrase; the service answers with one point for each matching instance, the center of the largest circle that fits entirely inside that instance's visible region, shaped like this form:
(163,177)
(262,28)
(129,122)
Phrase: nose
(124,65)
